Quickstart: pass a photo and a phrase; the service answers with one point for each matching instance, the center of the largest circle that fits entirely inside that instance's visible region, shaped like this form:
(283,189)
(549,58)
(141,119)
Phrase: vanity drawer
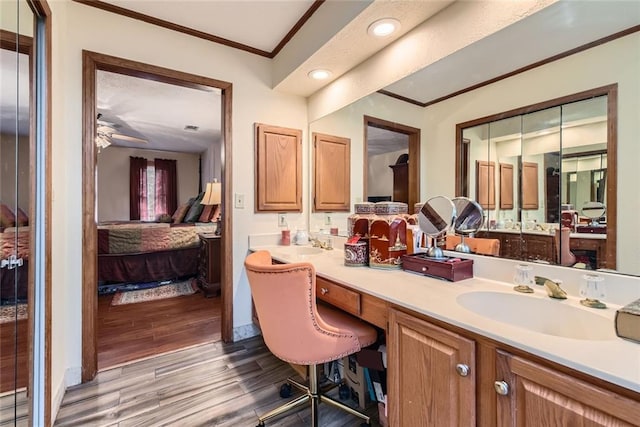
(338,296)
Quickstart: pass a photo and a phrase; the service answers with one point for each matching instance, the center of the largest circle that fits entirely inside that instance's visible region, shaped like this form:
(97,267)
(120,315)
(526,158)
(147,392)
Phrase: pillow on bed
(207,213)
(21,218)
(7,218)
(195,210)
(179,214)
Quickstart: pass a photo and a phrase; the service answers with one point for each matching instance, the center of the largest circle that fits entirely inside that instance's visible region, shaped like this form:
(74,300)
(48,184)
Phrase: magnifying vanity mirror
(436,216)
(469,220)
(595,211)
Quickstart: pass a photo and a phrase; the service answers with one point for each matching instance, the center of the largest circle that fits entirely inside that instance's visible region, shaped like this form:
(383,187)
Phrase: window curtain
(137,186)
(166,186)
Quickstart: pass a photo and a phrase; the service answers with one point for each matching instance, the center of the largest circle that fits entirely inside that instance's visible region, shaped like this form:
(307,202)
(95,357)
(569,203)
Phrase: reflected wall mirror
(609,58)
(554,156)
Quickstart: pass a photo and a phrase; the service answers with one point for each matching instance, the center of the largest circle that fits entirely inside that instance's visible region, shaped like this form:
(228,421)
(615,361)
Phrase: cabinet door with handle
(432,380)
(530,394)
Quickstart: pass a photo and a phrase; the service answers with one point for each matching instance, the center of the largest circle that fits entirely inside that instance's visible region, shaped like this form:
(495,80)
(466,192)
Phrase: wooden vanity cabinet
(426,388)
(365,306)
(537,396)
(431,371)
(539,248)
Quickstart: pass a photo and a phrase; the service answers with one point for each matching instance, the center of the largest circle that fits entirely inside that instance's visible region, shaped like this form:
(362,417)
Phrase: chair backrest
(285,300)
(477,245)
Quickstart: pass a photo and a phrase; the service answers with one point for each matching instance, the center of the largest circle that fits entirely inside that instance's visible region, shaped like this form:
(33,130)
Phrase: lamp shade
(213,194)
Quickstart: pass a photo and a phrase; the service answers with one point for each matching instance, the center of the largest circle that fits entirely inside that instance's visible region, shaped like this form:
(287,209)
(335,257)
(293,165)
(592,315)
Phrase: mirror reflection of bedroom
(14,220)
(158,203)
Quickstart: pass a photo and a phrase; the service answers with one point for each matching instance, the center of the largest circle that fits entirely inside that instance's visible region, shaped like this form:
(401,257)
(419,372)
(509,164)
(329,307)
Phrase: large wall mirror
(552,137)
(24,213)
(15,147)
(544,167)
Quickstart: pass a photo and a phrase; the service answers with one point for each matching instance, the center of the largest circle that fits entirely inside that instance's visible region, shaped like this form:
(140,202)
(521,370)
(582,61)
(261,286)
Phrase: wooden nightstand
(209,265)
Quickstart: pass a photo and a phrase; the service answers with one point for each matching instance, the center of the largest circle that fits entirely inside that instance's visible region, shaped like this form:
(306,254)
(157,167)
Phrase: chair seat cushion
(366,333)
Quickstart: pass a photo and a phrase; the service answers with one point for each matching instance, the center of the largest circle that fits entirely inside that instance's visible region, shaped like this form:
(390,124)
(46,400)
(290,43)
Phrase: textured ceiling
(159,112)
(261,24)
(14,92)
(140,108)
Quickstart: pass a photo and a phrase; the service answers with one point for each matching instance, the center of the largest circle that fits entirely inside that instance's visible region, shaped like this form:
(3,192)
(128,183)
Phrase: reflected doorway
(391,162)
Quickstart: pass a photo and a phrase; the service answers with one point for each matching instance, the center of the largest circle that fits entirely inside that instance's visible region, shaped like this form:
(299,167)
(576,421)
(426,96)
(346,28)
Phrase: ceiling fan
(107,131)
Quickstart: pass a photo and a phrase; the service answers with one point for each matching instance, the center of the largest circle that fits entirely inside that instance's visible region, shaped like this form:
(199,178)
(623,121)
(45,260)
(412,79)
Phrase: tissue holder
(628,321)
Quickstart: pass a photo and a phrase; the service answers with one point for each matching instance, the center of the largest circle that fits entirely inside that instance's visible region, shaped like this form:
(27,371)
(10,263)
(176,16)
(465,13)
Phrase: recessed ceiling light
(383,27)
(319,74)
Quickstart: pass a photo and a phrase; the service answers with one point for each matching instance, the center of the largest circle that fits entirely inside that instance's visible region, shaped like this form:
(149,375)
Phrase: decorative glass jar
(388,235)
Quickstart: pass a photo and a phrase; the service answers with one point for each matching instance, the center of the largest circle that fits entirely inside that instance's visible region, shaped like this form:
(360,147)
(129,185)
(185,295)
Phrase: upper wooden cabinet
(529,185)
(485,184)
(278,185)
(506,186)
(332,173)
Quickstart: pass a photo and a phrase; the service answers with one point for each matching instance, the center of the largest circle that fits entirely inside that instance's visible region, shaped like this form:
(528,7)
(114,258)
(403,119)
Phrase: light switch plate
(238,201)
(282,220)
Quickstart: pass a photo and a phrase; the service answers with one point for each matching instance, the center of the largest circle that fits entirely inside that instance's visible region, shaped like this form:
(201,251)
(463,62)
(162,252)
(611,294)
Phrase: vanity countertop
(614,360)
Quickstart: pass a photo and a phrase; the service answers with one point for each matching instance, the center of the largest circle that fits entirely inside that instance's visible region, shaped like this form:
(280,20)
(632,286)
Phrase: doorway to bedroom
(156,280)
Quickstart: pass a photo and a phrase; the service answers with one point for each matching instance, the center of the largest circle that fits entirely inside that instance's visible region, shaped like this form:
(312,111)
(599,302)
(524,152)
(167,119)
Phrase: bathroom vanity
(477,353)
(540,245)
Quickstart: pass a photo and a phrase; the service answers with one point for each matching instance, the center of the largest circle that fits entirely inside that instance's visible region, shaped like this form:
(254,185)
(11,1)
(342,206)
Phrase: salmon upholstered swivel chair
(297,330)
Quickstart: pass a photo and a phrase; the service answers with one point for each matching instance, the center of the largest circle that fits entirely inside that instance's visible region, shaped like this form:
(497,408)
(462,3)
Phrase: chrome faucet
(553,288)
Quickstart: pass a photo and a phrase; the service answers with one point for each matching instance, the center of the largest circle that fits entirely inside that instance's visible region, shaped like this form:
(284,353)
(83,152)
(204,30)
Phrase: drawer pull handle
(324,291)
(462,369)
(502,388)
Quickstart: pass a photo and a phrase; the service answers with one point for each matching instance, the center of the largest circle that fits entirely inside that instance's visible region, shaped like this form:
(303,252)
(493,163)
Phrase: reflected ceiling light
(319,74)
(383,27)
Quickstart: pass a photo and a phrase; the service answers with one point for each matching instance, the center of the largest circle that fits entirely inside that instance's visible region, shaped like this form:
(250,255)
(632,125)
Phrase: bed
(14,281)
(131,252)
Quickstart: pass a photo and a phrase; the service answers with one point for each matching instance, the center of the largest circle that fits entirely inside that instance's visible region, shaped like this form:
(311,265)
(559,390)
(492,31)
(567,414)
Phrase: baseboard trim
(245,331)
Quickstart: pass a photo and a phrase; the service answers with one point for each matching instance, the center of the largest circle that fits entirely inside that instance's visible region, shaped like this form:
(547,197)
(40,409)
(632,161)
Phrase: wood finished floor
(13,353)
(213,384)
(135,331)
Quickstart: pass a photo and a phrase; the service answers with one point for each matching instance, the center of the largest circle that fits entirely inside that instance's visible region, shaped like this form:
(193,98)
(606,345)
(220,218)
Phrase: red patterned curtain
(166,186)
(137,186)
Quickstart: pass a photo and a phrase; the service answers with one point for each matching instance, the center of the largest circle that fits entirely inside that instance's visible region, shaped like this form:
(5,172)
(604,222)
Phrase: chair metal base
(313,396)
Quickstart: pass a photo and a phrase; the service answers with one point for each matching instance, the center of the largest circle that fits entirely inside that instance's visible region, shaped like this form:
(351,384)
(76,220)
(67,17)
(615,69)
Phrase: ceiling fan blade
(128,138)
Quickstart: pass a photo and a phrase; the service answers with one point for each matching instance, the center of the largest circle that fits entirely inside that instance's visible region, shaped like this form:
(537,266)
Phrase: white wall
(380,176)
(113,179)
(8,165)
(77,27)
(614,62)
(348,123)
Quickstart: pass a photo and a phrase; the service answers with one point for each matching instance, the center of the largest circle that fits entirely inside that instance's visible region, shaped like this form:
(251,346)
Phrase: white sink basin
(539,314)
(299,251)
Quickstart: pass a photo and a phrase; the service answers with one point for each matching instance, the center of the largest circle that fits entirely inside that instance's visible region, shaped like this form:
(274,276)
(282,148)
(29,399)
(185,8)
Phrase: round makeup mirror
(469,220)
(594,210)
(435,217)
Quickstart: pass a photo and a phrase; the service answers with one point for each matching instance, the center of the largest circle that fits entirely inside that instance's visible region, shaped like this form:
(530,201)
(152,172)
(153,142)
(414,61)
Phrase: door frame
(91,63)
(414,155)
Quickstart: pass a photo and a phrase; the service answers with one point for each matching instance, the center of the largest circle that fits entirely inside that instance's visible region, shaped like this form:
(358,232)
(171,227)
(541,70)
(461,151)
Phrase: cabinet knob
(462,369)
(324,291)
(502,388)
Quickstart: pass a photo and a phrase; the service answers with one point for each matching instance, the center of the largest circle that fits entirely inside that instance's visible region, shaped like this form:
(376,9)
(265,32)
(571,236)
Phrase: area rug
(8,312)
(187,287)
